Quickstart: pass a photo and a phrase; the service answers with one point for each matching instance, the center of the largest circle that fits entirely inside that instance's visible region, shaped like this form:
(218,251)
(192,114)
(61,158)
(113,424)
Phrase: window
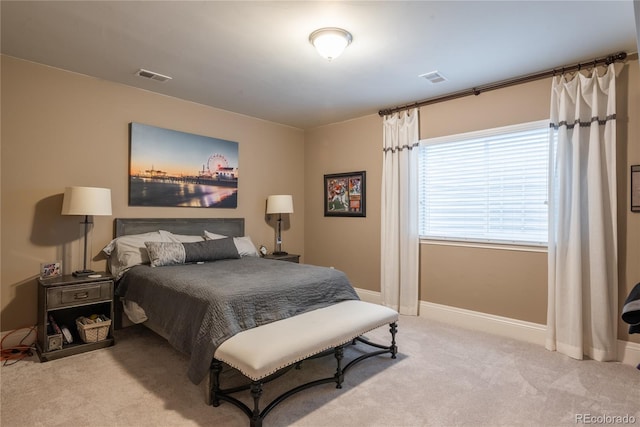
(487,186)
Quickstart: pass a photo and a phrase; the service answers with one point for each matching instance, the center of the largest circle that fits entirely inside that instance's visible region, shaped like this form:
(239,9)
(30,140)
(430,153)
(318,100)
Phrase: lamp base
(83,273)
(280,253)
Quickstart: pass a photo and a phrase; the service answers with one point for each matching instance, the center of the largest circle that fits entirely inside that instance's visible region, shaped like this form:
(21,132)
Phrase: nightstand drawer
(63,296)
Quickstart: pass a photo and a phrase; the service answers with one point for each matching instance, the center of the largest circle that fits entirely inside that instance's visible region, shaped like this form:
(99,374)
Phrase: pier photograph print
(173,168)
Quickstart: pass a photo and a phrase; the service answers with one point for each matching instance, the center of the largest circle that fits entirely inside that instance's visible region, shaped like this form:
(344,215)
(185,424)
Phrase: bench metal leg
(392,348)
(339,376)
(214,382)
(256,393)
(393,328)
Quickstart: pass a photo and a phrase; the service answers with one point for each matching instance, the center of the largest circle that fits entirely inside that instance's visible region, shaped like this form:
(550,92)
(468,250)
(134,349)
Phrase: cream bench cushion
(262,351)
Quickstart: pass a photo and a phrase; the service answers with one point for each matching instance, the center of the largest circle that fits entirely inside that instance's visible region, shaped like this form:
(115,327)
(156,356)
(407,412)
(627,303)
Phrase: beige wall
(505,283)
(349,244)
(62,129)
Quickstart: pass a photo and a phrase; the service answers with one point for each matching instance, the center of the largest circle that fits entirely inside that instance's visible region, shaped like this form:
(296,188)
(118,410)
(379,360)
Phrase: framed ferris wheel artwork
(179,169)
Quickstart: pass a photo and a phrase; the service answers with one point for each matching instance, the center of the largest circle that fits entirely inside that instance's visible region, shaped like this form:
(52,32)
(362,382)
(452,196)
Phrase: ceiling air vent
(152,75)
(434,77)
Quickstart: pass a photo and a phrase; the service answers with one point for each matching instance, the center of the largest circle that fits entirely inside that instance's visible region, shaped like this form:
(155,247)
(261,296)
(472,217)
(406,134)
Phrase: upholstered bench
(263,353)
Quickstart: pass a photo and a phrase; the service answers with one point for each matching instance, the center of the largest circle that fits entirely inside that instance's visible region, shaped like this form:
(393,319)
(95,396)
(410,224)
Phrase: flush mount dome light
(330,42)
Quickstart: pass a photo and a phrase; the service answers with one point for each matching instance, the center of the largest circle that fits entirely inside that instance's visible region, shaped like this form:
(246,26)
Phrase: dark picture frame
(179,169)
(635,188)
(345,194)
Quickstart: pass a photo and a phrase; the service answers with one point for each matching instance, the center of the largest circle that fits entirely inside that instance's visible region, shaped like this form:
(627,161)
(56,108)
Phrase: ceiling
(254,58)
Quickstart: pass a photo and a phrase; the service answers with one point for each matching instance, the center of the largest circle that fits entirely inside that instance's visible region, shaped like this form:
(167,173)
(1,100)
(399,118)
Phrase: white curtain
(583,271)
(399,228)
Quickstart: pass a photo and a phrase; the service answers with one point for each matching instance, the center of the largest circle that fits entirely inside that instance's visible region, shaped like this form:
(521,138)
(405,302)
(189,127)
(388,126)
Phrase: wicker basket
(93,332)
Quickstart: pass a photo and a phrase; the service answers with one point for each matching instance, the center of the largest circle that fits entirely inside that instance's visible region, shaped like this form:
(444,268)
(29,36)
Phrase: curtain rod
(621,56)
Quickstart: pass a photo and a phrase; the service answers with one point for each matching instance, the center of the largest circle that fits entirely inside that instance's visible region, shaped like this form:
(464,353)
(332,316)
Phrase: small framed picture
(635,188)
(50,269)
(344,194)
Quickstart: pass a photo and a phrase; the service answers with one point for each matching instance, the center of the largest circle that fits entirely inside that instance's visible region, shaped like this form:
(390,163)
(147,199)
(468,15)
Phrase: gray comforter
(199,306)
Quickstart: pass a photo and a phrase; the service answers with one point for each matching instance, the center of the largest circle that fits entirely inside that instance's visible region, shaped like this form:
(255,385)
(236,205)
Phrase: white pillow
(244,244)
(127,251)
(181,238)
(213,236)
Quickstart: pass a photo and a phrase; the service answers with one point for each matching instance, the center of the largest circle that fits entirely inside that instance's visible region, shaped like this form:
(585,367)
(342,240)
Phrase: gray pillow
(171,253)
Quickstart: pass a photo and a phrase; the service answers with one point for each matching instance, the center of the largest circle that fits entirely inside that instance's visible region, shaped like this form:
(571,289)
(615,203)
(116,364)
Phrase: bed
(201,284)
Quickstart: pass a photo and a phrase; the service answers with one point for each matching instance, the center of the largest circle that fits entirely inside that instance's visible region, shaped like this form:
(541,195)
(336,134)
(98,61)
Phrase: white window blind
(488,186)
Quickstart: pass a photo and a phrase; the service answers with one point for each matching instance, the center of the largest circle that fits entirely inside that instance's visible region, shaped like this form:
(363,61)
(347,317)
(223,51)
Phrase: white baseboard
(629,353)
(535,333)
(369,296)
(477,321)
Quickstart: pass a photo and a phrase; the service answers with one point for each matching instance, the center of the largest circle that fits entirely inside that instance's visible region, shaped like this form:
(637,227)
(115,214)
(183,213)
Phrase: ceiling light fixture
(330,42)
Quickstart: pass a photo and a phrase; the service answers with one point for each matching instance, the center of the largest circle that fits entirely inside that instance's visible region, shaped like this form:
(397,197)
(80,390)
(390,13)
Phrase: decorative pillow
(181,238)
(127,251)
(171,253)
(244,244)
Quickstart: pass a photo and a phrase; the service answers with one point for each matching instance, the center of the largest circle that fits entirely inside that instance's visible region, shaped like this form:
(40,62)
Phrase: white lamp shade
(330,42)
(281,203)
(86,201)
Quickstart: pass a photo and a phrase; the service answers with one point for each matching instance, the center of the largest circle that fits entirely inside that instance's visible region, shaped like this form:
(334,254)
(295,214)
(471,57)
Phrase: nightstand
(64,299)
(288,257)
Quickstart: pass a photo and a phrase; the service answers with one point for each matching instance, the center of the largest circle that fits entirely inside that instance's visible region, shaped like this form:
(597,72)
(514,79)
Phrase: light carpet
(443,376)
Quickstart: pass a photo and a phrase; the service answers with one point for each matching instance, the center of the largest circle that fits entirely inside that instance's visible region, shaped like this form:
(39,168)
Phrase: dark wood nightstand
(64,299)
(288,257)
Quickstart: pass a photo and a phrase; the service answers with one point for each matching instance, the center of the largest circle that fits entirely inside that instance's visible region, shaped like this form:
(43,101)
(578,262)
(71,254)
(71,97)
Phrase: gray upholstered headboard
(233,227)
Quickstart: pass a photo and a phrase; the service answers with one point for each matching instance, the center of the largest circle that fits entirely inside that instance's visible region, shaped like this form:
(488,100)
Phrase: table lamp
(279,204)
(86,201)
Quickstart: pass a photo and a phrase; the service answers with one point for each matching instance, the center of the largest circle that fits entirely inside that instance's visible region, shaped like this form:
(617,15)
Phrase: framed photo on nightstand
(50,269)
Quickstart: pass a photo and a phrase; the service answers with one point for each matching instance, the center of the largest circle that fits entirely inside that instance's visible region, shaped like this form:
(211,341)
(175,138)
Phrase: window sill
(485,245)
